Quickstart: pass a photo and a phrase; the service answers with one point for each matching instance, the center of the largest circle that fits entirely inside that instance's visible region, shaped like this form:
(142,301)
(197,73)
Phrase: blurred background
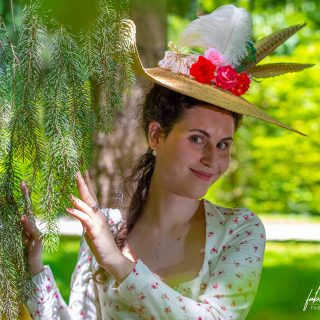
(274,172)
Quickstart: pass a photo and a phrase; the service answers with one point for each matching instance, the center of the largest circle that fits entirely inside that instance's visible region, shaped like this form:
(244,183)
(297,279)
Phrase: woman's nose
(209,158)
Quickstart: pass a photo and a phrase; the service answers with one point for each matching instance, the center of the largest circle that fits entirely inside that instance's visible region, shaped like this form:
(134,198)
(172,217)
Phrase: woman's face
(195,153)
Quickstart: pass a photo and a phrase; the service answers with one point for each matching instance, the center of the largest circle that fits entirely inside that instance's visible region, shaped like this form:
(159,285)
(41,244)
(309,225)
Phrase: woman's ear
(154,134)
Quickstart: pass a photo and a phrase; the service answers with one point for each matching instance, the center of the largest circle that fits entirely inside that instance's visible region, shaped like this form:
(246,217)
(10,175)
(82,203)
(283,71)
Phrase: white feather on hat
(227,29)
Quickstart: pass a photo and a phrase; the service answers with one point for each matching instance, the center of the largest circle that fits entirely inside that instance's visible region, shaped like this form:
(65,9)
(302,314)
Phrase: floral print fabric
(224,289)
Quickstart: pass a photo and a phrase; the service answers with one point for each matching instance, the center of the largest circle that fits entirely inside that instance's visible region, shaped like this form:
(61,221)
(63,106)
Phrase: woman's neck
(166,211)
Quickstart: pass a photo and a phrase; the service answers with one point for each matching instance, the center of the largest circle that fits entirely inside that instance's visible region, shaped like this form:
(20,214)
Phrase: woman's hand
(32,236)
(97,231)
(33,242)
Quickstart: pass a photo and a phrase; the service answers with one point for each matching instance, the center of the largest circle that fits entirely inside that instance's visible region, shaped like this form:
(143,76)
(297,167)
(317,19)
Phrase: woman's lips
(202,175)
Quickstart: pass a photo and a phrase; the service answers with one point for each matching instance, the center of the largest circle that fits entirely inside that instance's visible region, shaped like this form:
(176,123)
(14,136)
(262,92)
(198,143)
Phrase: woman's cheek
(224,163)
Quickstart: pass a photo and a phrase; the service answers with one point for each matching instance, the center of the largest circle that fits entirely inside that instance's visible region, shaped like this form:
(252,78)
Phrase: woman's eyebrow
(202,131)
(208,135)
(225,139)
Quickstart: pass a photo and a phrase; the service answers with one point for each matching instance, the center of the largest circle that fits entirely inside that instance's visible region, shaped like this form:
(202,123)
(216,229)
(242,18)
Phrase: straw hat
(229,54)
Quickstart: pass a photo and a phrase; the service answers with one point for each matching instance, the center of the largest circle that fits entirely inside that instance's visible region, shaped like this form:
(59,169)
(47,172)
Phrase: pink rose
(226,78)
(214,56)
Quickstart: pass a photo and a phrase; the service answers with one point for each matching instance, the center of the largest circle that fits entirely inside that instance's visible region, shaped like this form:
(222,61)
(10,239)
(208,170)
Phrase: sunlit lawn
(291,270)
(63,262)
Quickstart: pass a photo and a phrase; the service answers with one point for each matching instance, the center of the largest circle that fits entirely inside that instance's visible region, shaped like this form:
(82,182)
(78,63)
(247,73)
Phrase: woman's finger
(90,185)
(30,228)
(81,205)
(25,234)
(84,218)
(84,191)
(26,195)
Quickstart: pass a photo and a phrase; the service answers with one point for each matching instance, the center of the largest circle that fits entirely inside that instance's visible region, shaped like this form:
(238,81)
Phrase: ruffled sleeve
(229,291)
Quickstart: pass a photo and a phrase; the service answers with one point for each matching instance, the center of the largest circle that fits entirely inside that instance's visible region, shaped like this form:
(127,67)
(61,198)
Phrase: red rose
(203,70)
(242,85)
(226,77)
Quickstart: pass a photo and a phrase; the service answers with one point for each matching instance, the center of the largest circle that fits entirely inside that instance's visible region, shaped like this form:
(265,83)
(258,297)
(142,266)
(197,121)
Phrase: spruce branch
(108,61)
(60,123)
(25,124)
(47,120)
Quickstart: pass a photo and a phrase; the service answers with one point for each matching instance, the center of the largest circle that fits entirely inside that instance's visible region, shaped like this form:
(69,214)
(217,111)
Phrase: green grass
(63,262)
(290,218)
(290,271)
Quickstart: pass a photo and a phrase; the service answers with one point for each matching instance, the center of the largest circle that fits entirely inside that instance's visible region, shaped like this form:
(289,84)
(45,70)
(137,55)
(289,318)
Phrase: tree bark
(115,153)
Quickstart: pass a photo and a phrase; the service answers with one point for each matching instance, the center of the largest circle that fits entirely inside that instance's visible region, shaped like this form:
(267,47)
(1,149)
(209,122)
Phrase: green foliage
(49,109)
(274,9)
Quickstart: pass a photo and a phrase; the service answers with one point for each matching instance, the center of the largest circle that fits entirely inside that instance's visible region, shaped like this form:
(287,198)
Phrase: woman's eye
(222,145)
(197,139)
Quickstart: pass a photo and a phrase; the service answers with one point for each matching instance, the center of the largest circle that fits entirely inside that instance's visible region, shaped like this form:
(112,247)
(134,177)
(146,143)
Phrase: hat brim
(204,92)
(210,94)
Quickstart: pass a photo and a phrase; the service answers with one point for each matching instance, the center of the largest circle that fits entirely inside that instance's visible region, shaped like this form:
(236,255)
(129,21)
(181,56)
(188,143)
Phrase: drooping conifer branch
(60,128)
(110,61)
(47,119)
(21,129)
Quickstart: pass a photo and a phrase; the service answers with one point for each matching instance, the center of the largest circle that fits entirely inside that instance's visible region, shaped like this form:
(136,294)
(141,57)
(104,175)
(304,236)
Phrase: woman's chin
(197,194)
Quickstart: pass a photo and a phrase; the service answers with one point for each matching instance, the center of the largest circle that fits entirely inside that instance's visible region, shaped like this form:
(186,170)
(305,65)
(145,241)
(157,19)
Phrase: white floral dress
(224,289)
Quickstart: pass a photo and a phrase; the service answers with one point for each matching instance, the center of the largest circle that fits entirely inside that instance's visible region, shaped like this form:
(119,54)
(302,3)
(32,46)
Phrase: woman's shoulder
(234,217)
(225,211)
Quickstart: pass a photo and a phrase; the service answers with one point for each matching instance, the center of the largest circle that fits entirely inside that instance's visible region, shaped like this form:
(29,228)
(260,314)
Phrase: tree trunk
(115,153)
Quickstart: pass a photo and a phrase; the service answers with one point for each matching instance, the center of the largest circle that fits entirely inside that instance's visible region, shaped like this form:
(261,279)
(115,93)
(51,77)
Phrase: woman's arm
(84,303)
(98,232)
(47,302)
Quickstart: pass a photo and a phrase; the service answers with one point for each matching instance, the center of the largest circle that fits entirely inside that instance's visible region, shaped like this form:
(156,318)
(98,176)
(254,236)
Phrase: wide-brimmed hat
(223,70)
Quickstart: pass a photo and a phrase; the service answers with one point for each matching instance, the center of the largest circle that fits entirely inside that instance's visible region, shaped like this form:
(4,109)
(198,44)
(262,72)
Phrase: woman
(208,258)
(171,255)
